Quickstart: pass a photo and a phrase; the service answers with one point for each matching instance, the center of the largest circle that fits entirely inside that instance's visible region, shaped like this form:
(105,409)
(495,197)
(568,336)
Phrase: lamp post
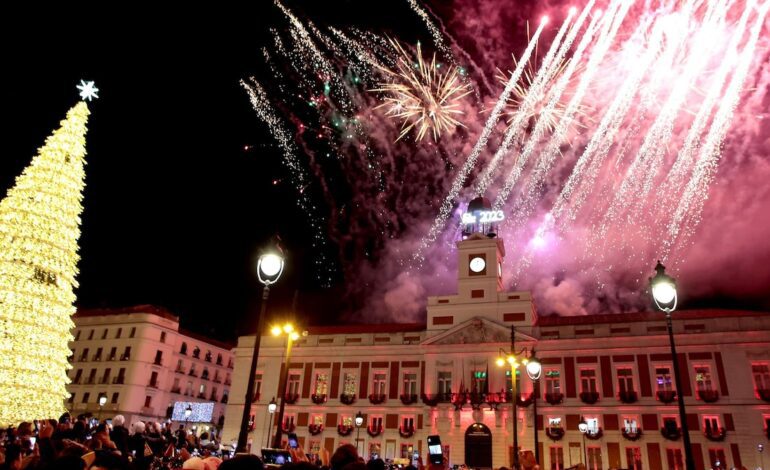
(534,369)
(270,409)
(359,421)
(102,401)
(664,293)
(583,428)
(269,269)
(187,414)
(291,336)
(760,449)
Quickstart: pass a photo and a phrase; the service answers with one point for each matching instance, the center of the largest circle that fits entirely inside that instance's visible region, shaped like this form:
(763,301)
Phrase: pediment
(477,330)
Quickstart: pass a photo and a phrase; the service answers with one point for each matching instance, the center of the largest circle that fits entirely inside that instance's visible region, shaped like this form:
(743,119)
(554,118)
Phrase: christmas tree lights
(39,231)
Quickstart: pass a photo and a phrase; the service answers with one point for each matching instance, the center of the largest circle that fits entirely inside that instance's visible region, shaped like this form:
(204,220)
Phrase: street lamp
(270,409)
(583,428)
(269,269)
(359,423)
(760,449)
(534,369)
(102,401)
(664,293)
(291,336)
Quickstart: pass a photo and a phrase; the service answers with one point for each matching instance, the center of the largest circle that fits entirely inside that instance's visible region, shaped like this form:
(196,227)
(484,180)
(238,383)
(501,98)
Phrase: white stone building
(140,360)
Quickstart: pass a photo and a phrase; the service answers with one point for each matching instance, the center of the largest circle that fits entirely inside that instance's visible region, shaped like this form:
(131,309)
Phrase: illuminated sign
(201,412)
(483,217)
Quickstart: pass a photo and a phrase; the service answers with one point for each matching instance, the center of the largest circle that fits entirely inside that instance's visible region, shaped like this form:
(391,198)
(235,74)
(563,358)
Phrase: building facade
(147,368)
(613,372)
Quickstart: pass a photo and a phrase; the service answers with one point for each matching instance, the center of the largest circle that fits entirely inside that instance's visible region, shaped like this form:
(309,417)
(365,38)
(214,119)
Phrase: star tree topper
(87,90)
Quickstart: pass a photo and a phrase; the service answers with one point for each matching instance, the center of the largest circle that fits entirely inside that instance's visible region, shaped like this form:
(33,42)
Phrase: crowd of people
(75,444)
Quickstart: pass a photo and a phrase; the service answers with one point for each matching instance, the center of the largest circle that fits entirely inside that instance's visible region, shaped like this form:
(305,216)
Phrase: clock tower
(480,266)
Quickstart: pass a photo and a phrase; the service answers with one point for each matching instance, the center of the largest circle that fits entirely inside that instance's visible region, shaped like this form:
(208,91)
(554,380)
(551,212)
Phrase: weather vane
(87,90)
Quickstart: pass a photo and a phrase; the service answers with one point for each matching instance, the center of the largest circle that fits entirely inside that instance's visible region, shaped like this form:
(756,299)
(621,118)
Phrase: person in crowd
(119,434)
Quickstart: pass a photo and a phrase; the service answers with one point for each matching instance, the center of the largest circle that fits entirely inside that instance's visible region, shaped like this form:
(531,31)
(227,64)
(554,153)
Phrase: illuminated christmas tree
(39,231)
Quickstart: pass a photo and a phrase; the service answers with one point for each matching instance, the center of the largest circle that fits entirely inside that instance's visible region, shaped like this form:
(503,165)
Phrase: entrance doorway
(478,446)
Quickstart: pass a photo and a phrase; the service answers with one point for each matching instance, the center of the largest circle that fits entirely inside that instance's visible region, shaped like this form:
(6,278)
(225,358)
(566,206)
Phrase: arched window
(184,349)
(196,352)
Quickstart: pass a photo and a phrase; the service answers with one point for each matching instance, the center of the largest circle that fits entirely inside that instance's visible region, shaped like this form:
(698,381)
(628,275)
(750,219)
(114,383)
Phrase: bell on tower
(481,219)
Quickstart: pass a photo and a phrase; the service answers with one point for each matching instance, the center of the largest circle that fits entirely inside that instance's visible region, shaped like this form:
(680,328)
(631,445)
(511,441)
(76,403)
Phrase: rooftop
(146,308)
(633,317)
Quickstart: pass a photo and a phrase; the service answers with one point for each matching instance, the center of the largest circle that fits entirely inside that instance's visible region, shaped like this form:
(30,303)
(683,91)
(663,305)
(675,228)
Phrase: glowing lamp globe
(583,427)
(271,407)
(269,268)
(359,420)
(544,20)
(664,292)
(534,369)
(500,362)
(188,411)
(102,400)
(276,331)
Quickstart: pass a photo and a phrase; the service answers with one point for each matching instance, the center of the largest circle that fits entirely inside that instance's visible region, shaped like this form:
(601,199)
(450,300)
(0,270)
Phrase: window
(552,382)
(557,458)
(118,333)
(593,425)
(625,380)
(406,451)
(670,424)
(196,352)
(126,354)
(91,334)
(115,397)
(213,394)
(349,384)
(183,349)
(410,383)
(98,355)
(132,333)
(162,336)
(674,459)
(717,458)
(77,376)
(113,352)
(86,396)
(478,385)
(321,383)
(594,458)
(84,355)
(121,376)
(207,358)
(257,386)
(293,384)
(376,422)
(77,335)
(188,389)
(554,422)
(761,373)
(175,387)
(347,421)
(378,384)
(154,379)
(202,389)
(634,458)
(703,378)
(630,424)
(91,376)
(663,378)
(104,333)
(148,401)
(219,359)
(407,423)
(711,424)
(106,376)
(444,382)
(317,420)
(588,380)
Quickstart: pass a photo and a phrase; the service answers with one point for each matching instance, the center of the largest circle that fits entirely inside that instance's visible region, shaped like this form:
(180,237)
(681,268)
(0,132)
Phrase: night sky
(179,185)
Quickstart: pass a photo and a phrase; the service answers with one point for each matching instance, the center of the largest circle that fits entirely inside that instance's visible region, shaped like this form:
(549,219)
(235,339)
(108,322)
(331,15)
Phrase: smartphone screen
(293,441)
(435,453)
(415,457)
(32,440)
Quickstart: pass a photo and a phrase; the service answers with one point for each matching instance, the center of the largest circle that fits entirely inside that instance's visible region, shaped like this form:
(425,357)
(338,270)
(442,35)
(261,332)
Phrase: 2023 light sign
(483,217)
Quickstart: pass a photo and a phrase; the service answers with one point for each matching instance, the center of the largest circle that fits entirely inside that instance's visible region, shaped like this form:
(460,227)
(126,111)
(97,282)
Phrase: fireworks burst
(422,95)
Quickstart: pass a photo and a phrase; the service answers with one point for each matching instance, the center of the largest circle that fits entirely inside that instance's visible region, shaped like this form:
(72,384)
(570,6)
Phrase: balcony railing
(291,398)
(315,429)
(406,432)
(377,398)
(344,430)
(632,434)
(217,380)
(179,370)
(715,434)
(666,396)
(288,426)
(97,357)
(347,399)
(671,433)
(594,434)
(555,398)
(590,397)
(125,357)
(111,358)
(158,362)
(408,399)
(374,431)
(318,399)
(192,373)
(708,396)
(152,385)
(627,396)
(118,380)
(554,433)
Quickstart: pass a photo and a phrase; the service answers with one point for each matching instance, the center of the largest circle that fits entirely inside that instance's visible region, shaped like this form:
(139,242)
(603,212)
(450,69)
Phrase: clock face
(477,264)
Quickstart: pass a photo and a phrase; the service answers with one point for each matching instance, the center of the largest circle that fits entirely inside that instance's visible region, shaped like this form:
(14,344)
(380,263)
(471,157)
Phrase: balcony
(205,376)
(97,358)
(118,380)
(152,385)
(374,431)
(158,362)
(632,434)
(83,358)
(589,398)
(318,399)
(555,398)
(408,399)
(554,433)
(627,396)
(288,426)
(708,396)
(671,433)
(291,398)
(377,398)
(125,357)
(76,380)
(715,434)
(431,400)
(111,358)
(406,432)
(347,399)
(315,429)
(193,373)
(344,430)
(666,396)
(104,380)
(594,434)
